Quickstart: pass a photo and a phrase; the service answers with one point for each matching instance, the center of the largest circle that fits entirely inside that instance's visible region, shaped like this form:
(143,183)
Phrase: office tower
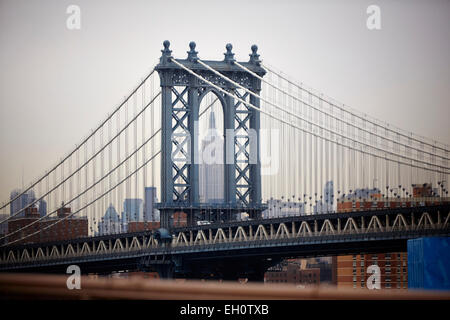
(21,202)
(150,198)
(133,209)
(42,207)
(211,169)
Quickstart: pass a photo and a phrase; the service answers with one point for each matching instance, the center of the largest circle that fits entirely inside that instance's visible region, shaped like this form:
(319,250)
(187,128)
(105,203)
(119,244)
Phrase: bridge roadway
(234,249)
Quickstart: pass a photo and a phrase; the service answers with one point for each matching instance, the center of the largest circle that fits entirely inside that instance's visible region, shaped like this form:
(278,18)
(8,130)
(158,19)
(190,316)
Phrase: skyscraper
(42,207)
(211,169)
(150,213)
(133,209)
(21,202)
(110,222)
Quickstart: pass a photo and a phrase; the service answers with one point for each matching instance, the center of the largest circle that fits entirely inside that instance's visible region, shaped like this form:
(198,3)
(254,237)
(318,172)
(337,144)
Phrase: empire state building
(211,169)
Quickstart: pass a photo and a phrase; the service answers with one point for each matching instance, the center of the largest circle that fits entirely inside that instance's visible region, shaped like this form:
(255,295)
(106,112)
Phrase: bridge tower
(182,94)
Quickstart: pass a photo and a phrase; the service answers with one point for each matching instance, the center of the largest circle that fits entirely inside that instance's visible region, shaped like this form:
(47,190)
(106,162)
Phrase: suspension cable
(87,205)
(85,163)
(108,174)
(276,118)
(324,112)
(310,122)
(85,191)
(352,113)
(77,147)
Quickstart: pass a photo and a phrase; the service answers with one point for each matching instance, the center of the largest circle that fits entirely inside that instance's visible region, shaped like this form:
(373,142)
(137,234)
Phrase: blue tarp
(429,263)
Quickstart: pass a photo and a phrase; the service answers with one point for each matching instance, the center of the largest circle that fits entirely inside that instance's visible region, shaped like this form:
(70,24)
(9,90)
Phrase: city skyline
(379,54)
(230,159)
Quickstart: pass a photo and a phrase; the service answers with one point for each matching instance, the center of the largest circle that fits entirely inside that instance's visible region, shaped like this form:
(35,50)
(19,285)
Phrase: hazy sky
(56,84)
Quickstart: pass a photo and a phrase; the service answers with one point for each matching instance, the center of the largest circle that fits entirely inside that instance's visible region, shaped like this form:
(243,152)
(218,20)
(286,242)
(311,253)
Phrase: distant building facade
(133,209)
(326,203)
(42,207)
(110,222)
(22,201)
(67,227)
(293,272)
(372,199)
(351,270)
(280,208)
(150,199)
(212,168)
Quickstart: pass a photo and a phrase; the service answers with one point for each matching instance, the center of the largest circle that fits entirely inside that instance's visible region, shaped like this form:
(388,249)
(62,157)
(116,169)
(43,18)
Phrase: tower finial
(254,56)
(192,54)
(166,52)
(229,56)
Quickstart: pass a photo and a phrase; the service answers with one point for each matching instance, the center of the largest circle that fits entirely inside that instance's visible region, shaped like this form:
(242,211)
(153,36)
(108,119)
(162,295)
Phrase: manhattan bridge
(296,174)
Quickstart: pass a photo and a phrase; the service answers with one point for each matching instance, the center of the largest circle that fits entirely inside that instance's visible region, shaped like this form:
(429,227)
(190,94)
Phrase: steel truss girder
(264,233)
(180,176)
(242,165)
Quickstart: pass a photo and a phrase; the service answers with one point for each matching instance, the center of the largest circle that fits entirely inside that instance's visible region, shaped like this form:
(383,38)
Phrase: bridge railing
(329,226)
(32,286)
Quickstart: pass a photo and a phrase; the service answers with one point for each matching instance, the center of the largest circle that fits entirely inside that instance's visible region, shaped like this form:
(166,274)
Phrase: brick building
(179,219)
(293,272)
(370,199)
(351,270)
(65,229)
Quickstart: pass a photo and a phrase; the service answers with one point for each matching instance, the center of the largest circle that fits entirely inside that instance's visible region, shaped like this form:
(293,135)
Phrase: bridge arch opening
(211,147)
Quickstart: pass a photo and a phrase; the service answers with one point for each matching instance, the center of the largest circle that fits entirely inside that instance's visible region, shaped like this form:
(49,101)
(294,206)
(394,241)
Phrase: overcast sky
(56,84)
